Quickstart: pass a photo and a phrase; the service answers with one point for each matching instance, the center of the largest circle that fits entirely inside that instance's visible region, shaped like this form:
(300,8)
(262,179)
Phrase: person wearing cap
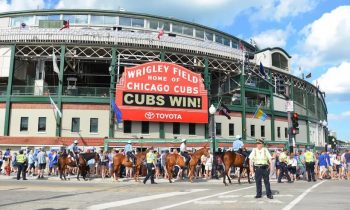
(41,162)
(73,150)
(22,165)
(183,151)
(283,158)
(129,152)
(151,161)
(310,165)
(238,147)
(261,161)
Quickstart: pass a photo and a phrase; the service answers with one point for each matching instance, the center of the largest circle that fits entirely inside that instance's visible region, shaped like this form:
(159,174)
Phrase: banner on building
(162,92)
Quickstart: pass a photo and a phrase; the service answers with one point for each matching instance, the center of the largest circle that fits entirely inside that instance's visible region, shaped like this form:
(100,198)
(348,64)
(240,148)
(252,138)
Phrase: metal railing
(81,36)
(25,90)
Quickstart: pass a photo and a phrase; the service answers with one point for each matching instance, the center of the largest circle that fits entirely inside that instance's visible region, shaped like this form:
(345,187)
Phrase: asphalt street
(126,194)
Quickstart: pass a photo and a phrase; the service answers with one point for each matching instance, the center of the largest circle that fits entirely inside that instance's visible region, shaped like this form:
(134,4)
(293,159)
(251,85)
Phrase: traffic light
(295,123)
(280,86)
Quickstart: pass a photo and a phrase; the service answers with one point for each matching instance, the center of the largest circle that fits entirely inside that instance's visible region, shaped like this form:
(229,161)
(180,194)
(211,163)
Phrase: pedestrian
(347,161)
(14,162)
(261,159)
(21,165)
(1,161)
(41,162)
(273,165)
(31,163)
(53,161)
(322,162)
(301,171)
(292,165)
(283,159)
(310,164)
(104,163)
(151,166)
(208,166)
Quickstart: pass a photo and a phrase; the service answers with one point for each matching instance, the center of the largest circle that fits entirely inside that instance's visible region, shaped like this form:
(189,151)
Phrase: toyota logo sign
(149,115)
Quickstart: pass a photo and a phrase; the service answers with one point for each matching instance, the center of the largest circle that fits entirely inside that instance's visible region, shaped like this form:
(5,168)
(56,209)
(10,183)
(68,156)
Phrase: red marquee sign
(162,92)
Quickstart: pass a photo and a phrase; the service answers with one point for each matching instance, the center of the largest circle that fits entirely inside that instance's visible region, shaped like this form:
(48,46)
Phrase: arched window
(279,61)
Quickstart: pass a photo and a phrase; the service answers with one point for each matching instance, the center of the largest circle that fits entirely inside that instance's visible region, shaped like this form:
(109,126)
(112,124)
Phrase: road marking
(300,197)
(229,196)
(201,198)
(141,199)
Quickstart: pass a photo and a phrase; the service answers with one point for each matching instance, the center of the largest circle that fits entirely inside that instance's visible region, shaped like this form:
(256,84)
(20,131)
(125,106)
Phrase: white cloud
(279,9)
(341,116)
(325,41)
(273,37)
(13,5)
(336,80)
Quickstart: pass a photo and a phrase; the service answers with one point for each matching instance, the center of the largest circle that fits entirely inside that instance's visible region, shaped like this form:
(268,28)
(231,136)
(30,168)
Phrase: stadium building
(61,71)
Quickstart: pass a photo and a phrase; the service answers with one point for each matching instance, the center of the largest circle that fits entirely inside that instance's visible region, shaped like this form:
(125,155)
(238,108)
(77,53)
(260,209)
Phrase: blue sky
(315,32)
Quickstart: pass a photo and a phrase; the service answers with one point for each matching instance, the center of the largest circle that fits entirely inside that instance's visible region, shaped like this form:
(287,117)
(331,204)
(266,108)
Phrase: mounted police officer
(261,161)
(129,151)
(184,152)
(74,150)
(283,159)
(310,164)
(238,147)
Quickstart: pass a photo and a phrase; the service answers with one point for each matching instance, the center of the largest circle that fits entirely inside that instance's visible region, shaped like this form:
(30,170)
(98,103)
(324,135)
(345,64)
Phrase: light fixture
(212,109)
(324,123)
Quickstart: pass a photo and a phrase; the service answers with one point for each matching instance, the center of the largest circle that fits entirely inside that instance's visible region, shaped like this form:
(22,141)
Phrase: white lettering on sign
(168,116)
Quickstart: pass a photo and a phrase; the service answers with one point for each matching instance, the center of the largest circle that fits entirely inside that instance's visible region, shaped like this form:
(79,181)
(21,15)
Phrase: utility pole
(290,134)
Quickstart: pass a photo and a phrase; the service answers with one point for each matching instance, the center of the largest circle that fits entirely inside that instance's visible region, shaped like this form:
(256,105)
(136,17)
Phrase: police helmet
(75,141)
(238,137)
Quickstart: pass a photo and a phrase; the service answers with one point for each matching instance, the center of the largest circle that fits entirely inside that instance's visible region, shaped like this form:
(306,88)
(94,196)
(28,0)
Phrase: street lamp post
(212,111)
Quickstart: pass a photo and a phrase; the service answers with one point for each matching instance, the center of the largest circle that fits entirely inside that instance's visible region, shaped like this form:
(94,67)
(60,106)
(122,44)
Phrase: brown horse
(121,159)
(176,159)
(64,161)
(234,159)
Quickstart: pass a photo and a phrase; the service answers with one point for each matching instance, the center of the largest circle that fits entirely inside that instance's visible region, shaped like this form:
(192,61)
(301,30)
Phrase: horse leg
(248,174)
(240,174)
(78,173)
(190,173)
(170,173)
(228,175)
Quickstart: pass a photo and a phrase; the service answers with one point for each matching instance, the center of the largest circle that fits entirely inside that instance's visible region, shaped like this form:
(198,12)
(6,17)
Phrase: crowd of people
(284,165)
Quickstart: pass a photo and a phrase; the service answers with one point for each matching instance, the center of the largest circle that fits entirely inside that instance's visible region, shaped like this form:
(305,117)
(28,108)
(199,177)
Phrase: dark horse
(175,159)
(121,159)
(64,161)
(234,159)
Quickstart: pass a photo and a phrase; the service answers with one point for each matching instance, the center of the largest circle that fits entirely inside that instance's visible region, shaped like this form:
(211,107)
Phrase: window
(176,128)
(286,133)
(76,19)
(42,124)
(93,125)
(124,21)
(278,132)
(192,129)
(127,126)
(177,29)
(188,31)
(145,128)
(199,34)
(24,124)
(262,131)
(218,39)
(102,20)
(136,22)
(252,130)
(218,129)
(153,24)
(208,36)
(75,125)
(226,42)
(279,61)
(231,129)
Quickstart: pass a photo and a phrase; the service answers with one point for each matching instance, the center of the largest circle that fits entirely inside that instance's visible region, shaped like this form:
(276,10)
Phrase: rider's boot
(245,162)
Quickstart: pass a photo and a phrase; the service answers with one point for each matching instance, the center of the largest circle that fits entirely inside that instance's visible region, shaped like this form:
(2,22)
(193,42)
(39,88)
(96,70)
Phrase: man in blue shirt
(238,147)
(129,151)
(322,162)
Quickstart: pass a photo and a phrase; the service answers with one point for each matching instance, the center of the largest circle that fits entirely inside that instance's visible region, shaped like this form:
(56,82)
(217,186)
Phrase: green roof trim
(274,48)
(117,13)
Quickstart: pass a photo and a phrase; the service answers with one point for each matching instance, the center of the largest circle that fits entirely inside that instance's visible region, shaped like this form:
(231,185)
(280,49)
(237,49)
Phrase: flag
(55,107)
(65,24)
(117,112)
(260,114)
(262,70)
(241,46)
(54,63)
(223,110)
(308,75)
(160,33)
